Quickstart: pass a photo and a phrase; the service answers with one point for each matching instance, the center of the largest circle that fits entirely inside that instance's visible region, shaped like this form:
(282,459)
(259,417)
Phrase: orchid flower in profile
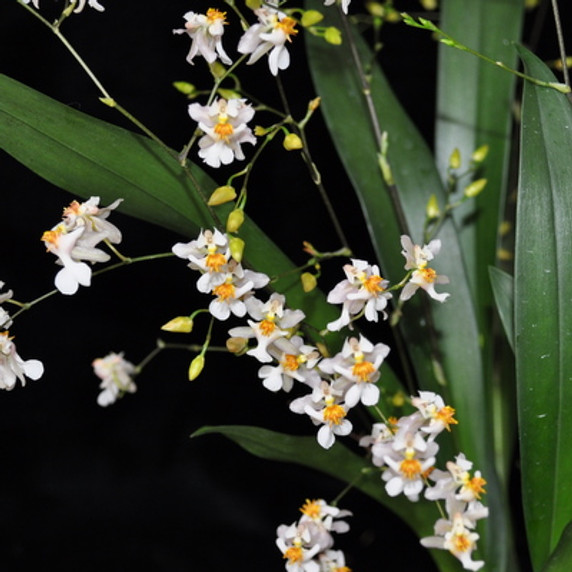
(205,31)
(269,36)
(424,277)
(13,367)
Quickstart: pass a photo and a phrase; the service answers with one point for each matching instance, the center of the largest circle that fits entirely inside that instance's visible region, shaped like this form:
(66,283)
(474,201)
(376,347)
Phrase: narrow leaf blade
(543,311)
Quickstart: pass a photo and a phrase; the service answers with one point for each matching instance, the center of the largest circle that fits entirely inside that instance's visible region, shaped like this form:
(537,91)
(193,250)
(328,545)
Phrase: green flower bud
(196,367)
(455,159)
(222,195)
(182,324)
(235,220)
(292,142)
(229,93)
(309,281)
(475,188)
(311,17)
(432,209)
(236,345)
(236,246)
(480,154)
(185,87)
(333,36)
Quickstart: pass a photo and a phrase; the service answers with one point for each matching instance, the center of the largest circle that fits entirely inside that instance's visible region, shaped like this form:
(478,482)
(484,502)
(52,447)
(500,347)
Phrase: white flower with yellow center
(205,31)
(224,126)
(13,367)
(454,536)
(358,363)
(416,259)
(362,290)
(269,36)
(294,542)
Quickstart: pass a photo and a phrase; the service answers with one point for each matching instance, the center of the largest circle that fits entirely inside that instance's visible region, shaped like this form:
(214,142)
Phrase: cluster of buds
(73,240)
(12,366)
(307,544)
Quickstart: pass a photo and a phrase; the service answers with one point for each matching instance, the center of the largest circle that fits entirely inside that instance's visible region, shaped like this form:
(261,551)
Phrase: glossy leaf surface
(543,311)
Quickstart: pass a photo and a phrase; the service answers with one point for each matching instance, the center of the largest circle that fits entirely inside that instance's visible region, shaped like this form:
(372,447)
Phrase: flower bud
(236,246)
(109,101)
(475,188)
(253,4)
(455,159)
(480,154)
(182,324)
(292,142)
(333,36)
(375,9)
(196,367)
(432,209)
(222,195)
(217,69)
(260,131)
(311,17)
(236,345)
(235,220)
(228,93)
(309,281)
(429,4)
(314,104)
(185,88)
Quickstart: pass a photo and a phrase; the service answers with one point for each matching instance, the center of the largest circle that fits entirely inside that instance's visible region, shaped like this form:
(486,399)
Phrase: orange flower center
(372,284)
(213,15)
(333,414)
(224,291)
(410,468)
(428,274)
(445,415)
(214,262)
(461,542)
(267,326)
(288,26)
(223,129)
(476,484)
(312,509)
(362,369)
(290,362)
(294,554)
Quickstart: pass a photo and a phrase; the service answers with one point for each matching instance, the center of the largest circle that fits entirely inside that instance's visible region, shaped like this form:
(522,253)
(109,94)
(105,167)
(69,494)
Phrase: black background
(87,488)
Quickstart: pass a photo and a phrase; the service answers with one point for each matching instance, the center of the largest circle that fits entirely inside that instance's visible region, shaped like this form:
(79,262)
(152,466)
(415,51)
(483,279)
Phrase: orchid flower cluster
(307,544)
(405,450)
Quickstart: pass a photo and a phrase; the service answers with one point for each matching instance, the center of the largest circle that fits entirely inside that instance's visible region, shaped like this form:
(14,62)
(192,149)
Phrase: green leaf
(338,462)
(502,284)
(543,311)
(561,559)
(89,157)
(474,108)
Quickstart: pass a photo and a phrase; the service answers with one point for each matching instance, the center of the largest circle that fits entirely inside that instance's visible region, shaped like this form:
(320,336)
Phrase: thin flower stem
(350,486)
(561,46)
(124,262)
(314,173)
(377,132)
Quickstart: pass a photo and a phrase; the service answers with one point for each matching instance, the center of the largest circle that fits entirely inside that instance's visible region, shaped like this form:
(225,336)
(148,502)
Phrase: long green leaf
(89,157)
(503,290)
(340,463)
(561,559)
(348,118)
(543,311)
(474,108)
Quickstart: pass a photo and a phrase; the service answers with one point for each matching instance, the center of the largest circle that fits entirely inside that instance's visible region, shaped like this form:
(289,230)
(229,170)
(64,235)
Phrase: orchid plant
(418,371)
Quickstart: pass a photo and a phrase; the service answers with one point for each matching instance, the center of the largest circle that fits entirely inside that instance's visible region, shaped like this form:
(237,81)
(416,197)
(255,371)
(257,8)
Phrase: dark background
(87,488)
